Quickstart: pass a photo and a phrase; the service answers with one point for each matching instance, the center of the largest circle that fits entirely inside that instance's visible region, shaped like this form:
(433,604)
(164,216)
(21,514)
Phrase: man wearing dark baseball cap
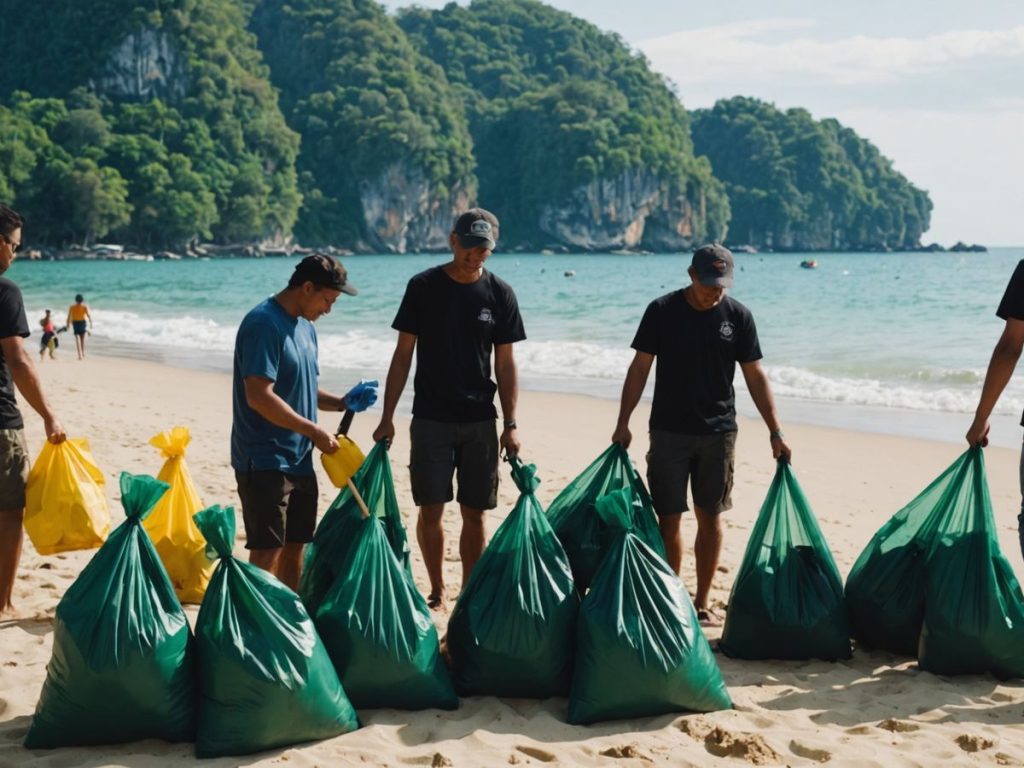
(453,317)
(698,335)
(275,398)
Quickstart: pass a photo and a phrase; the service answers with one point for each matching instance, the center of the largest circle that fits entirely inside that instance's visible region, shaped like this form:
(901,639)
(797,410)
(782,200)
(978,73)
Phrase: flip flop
(435,601)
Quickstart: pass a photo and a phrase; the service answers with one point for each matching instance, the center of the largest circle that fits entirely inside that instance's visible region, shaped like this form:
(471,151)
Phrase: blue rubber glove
(361,396)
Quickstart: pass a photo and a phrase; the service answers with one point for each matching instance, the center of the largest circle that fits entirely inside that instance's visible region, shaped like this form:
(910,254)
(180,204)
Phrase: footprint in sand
(810,753)
(749,746)
(973,743)
(538,754)
(628,751)
(898,726)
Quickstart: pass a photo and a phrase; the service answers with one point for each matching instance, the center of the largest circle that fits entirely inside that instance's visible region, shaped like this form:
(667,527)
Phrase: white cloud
(766,49)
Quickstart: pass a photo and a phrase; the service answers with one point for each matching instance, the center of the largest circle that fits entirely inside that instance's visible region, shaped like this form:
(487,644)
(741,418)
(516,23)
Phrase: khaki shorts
(704,462)
(13,468)
(440,450)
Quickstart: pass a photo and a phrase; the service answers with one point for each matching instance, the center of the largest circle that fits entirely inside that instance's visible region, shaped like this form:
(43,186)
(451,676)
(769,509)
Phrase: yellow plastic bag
(65,506)
(179,543)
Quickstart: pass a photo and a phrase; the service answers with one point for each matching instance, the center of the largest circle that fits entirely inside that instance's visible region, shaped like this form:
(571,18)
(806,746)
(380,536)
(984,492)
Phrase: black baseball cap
(477,227)
(713,265)
(324,271)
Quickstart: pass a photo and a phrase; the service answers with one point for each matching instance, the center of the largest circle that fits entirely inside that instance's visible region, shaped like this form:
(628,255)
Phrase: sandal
(708,618)
(435,600)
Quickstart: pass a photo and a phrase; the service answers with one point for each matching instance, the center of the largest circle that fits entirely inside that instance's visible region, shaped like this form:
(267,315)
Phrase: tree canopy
(796,183)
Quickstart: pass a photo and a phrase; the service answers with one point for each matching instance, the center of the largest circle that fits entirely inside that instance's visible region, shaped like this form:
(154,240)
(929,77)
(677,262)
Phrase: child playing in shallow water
(49,340)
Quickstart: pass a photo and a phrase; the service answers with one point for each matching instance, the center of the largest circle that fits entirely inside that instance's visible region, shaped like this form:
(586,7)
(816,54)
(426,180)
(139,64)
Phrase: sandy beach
(874,710)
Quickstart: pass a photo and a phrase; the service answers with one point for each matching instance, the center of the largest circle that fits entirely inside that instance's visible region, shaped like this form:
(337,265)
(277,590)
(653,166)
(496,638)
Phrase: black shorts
(80,327)
(704,462)
(440,449)
(277,508)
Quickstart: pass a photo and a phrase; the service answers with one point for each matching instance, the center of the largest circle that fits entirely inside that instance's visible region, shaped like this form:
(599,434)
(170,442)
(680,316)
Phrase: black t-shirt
(456,326)
(1012,305)
(12,323)
(696,352)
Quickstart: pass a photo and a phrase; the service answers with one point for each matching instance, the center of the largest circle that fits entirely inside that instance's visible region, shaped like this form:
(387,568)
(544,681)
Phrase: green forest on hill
(331,122)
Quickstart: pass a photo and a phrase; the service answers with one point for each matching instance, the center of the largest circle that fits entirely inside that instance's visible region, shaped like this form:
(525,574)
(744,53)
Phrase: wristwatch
(776,433)
(510,424)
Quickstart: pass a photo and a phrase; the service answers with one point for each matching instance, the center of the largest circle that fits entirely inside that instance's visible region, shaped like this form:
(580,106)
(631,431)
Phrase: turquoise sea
(893,342)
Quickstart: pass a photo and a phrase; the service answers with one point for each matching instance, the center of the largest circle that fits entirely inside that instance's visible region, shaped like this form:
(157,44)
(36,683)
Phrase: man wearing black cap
(452,316)
(698,335)
(275,400)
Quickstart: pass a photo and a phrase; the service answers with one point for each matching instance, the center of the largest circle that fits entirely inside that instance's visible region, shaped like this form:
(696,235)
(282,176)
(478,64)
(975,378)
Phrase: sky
(937,86)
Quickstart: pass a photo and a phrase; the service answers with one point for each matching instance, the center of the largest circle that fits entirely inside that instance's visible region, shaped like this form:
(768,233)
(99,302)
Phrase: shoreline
(941,426)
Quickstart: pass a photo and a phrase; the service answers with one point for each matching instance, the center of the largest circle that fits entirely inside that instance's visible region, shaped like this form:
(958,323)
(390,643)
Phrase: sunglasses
(15,247)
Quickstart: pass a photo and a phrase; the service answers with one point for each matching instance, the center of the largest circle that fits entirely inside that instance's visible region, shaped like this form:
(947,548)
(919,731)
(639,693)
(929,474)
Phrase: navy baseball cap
(324,271)
(713,265)
(477,227)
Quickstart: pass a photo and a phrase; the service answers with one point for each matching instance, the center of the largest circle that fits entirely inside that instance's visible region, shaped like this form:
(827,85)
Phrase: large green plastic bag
(122,665)
(378,630)
(327,554)
(974,609)
(639,650)
(584,535)
(513,627)
(787,600)
(265,679)
(885,591)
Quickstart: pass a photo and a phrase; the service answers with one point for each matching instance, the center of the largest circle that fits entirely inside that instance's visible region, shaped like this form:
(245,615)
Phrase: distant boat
(570,273)
(809,264)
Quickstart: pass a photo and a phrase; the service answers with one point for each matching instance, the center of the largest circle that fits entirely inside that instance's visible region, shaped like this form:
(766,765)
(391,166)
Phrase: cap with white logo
(477,227)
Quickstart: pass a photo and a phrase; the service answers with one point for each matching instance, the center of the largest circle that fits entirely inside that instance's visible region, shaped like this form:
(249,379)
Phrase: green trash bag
(265,679)
(513,627)
(639,648)
(885,591)
(974,609)
(327,554)
(378,630)
(584,535)
(787,600)
(122,665)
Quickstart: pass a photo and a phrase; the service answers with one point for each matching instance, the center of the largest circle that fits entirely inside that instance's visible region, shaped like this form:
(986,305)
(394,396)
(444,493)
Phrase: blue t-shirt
(274,345)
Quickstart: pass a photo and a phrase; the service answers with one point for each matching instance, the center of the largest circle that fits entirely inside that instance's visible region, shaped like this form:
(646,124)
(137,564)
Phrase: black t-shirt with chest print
(456,327)
(12,323)
(696,354)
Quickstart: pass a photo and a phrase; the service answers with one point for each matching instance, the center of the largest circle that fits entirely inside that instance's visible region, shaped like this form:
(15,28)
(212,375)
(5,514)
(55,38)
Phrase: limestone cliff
(635,210)
(403,211)
(146,64)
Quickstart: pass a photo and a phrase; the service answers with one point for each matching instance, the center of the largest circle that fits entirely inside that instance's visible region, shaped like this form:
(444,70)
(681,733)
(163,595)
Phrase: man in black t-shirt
(698,334)
(16,370)
(1000,369)
(453,316)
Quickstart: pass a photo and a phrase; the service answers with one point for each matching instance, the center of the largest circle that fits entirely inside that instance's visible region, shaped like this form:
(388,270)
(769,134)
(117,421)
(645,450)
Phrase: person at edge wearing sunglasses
(16,370)
(1000,370)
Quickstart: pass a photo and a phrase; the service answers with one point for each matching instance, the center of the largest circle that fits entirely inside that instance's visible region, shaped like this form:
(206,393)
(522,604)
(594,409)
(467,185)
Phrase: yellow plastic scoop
(345,462)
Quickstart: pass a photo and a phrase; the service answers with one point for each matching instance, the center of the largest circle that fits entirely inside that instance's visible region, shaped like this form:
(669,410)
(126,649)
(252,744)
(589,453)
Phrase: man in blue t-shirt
(275,399)
(1000,369)
(453,317)
(698,334)
(16,371)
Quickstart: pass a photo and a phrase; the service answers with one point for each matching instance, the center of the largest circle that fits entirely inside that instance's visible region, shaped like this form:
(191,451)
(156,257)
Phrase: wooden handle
(358,498)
